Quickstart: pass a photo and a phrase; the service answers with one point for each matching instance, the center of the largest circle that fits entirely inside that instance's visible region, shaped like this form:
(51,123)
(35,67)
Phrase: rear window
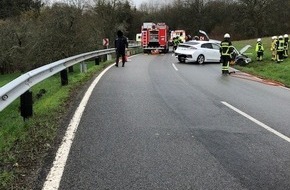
(184,45)
(191,43)
(188,44)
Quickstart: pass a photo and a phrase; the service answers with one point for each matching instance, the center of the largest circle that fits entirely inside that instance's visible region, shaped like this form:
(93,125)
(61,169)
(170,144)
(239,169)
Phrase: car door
(216,52)
(209,52)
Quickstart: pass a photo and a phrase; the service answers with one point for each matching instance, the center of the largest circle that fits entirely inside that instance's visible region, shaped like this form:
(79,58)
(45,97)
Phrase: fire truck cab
(155,37)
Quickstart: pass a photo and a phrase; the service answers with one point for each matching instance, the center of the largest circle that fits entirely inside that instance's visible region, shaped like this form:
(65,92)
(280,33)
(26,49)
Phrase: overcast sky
(137,3)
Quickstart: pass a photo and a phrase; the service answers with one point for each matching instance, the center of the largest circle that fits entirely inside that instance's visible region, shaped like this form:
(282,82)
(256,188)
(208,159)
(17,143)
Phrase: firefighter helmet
(274,37)
(286,36)
(259,39)
(227,35)
(281,37)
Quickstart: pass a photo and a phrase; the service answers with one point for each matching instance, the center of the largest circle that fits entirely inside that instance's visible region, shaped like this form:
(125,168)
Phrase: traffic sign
(105,41)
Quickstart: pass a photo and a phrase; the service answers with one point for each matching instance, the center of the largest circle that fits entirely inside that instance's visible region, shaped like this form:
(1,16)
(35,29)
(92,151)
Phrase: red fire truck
(155,37)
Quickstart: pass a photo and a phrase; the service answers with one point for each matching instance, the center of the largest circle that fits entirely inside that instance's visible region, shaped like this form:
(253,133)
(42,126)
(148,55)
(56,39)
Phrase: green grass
(23,144)
(266,69)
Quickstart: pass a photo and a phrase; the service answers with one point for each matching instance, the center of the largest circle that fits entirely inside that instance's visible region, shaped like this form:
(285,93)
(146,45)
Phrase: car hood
(244,49)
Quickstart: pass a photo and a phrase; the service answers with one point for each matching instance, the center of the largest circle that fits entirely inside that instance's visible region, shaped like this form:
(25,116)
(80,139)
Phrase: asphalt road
(159,124)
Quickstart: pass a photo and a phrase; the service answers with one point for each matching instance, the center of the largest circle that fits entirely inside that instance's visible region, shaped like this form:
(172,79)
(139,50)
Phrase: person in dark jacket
(121,44)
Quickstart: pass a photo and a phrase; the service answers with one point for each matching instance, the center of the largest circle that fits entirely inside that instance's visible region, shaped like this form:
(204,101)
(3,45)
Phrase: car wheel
(200,59)
(181,59)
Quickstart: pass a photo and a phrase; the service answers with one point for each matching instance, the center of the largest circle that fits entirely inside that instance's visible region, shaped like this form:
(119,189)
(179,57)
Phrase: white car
(198,51)
(207,51)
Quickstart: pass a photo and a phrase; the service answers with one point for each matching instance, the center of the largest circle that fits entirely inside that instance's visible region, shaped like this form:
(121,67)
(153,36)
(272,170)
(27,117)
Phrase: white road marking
(257,122)
(174,67)
(53,179)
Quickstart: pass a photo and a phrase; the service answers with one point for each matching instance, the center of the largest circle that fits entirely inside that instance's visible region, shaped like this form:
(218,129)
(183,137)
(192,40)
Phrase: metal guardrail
(15,88)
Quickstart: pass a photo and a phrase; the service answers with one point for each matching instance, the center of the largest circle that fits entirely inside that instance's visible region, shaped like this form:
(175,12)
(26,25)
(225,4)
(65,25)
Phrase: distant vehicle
(133,43)
(206,51)
(155,37)
(138,37)
(174,33)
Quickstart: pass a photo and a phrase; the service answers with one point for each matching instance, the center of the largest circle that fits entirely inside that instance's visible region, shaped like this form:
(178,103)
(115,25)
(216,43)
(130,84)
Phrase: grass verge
(266,69)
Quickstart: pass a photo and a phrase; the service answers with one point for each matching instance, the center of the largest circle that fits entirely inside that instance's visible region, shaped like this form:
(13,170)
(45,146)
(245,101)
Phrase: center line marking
(257,122)
(174,67)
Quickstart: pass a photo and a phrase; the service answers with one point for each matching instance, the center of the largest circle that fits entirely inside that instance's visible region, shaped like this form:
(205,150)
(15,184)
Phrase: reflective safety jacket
(226,47)
(259,47)
(177,41)
(280,45)
(273,45)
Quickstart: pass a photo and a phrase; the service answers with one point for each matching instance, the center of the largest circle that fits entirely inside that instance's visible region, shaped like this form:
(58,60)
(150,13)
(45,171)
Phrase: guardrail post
(26,105)
(109,57)
(83,67)
(97,61)
(63,77)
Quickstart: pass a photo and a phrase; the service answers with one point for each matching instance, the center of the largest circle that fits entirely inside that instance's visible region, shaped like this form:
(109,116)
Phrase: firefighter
(259,49)
(176,41)
(274,48)
(226,50)
(280,49)
(286,46)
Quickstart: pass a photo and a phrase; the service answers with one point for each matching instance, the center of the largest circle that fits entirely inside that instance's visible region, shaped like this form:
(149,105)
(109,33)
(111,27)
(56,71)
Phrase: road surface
(159,124)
